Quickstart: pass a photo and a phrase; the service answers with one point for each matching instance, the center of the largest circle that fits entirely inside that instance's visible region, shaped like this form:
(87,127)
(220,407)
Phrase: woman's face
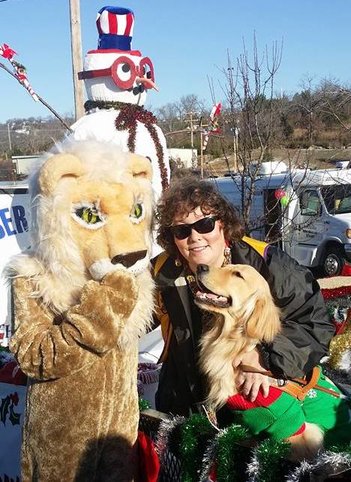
(197,248)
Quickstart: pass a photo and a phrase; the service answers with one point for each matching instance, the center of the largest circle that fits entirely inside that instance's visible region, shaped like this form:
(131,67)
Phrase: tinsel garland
(231,457)
(127,118)
(143,404)
(269,461)
(195,434)
(326,464)
(194,442)
(168,437)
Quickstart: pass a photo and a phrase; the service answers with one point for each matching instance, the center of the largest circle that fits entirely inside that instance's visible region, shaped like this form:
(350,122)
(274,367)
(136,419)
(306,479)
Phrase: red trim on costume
(300,430)
(238,402)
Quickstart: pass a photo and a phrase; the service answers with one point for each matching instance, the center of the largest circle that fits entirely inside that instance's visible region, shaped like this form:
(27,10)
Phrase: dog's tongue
(210,296)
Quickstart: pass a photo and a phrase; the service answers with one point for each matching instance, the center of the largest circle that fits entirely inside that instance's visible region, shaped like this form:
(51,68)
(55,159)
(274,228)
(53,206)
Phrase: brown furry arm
(46,350)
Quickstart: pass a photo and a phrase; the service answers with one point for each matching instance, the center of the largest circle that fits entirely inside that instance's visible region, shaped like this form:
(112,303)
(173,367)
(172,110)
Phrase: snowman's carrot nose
(148,83)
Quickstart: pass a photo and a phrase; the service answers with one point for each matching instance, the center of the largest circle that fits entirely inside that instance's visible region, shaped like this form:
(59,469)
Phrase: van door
(308,218)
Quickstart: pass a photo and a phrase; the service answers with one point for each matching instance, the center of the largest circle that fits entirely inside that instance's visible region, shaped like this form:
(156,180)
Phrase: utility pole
(77,57)
(201,154)
(193,127)
(9,136)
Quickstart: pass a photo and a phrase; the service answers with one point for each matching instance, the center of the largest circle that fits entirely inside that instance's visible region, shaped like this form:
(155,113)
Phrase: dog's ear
(264,322)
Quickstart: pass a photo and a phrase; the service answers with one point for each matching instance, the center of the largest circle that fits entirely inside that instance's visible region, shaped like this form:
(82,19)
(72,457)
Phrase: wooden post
(9,137)
(202,153)
(77,58)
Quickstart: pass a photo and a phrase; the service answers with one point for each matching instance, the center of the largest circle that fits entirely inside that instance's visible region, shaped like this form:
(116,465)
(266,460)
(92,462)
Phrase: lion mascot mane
(82,298)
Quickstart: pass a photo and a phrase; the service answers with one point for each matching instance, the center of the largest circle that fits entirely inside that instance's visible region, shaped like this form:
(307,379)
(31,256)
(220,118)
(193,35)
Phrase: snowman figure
(116,80)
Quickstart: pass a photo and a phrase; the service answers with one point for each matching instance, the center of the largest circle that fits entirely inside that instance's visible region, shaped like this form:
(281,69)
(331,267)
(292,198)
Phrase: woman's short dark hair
(182,197)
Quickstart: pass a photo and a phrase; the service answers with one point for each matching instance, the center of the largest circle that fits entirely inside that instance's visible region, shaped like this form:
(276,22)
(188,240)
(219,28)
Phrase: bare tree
(254,114)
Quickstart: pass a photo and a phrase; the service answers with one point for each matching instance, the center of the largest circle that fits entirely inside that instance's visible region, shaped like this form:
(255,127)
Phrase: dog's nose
(128,259)
(202,268)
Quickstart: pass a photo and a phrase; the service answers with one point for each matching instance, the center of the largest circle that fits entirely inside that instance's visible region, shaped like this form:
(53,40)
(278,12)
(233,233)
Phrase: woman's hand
(249,383)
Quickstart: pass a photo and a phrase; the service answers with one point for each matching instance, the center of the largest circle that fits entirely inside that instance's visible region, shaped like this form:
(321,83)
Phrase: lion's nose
(202,268)
(128,259)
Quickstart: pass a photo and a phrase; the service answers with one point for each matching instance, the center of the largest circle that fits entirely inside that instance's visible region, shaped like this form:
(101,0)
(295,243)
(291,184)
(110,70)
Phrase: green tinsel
(143,404)
(341,449)
(271,456)
(195,434)
(231,457)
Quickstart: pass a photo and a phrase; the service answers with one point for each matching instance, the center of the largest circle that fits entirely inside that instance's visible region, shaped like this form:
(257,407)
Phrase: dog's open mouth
(204,296)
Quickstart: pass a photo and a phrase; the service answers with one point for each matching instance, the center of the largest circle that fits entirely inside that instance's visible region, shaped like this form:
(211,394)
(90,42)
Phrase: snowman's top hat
(115,26)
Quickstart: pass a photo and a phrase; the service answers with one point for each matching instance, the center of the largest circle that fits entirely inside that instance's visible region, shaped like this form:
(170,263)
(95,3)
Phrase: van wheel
(333,262)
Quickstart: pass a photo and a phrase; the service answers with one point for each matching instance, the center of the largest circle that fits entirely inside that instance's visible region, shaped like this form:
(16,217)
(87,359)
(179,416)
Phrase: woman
(198,226)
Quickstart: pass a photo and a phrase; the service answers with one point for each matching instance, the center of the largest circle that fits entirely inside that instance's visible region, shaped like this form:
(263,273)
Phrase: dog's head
(241,292)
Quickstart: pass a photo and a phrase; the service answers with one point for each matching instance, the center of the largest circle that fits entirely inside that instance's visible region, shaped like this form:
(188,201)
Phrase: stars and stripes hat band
(115,26)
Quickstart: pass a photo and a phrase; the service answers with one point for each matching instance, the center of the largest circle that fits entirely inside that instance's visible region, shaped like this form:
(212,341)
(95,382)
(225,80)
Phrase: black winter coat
(303,341)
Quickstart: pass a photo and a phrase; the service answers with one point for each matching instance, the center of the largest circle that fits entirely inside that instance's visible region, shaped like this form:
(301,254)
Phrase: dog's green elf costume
(284,413)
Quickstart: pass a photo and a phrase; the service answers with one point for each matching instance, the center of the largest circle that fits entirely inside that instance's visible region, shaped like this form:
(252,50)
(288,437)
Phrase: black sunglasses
(202,226)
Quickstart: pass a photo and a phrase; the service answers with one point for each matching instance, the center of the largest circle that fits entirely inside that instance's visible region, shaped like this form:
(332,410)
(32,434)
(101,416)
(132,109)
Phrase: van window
(337,198)
(310,204)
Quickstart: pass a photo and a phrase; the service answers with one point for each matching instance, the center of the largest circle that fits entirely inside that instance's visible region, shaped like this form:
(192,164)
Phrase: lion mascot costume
(82,298)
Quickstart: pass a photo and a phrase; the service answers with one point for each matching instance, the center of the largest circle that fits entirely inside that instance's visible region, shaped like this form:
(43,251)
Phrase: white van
(308,213)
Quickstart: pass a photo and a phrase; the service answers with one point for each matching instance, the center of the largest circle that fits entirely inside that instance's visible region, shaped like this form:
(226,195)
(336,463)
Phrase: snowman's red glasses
(124,72)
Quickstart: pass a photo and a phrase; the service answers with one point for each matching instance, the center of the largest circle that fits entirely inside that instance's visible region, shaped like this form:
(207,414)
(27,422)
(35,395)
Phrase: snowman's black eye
(125,68)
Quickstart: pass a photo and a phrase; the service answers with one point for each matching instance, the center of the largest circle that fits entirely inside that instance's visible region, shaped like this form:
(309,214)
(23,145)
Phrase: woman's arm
(306,325)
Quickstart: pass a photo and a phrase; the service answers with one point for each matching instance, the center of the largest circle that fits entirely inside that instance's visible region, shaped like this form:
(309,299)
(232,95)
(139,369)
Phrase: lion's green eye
(137,213)
(88,215)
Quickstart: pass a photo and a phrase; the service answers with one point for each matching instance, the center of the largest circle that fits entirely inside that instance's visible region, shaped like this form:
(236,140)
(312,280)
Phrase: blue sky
(187,40)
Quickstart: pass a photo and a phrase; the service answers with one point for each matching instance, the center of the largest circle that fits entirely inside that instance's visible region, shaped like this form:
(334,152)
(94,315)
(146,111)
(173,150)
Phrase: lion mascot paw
(82,298)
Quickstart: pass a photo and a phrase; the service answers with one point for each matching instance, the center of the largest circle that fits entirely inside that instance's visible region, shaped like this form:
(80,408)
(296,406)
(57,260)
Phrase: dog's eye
(137,214)
(88,215)
(237,274)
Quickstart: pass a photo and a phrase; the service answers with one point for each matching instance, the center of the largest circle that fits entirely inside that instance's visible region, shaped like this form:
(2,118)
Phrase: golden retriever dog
(245,315)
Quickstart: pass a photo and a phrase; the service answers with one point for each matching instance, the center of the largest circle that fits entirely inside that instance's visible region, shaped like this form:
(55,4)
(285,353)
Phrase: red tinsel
(127,120)
(340,292)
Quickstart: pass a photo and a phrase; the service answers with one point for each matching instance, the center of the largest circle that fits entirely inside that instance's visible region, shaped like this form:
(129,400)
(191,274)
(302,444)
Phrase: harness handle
(293,385)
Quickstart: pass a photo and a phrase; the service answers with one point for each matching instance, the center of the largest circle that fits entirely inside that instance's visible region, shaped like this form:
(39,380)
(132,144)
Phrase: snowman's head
(114,72)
